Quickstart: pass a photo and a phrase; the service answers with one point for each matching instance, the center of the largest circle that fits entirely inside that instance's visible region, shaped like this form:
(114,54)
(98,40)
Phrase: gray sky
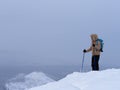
(54,32)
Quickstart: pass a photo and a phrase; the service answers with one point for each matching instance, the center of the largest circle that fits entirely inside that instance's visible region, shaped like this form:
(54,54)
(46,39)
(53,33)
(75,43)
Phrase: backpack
(101,43)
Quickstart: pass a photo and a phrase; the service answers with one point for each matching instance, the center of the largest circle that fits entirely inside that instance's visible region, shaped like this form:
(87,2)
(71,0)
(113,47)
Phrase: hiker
(96,49)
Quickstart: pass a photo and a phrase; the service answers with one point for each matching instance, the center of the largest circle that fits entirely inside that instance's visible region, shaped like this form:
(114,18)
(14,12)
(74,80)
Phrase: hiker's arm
(90,49)
(98,46)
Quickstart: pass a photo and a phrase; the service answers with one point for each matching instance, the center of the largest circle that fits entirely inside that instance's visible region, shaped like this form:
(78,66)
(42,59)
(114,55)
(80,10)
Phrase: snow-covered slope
(22,81)
(101,80)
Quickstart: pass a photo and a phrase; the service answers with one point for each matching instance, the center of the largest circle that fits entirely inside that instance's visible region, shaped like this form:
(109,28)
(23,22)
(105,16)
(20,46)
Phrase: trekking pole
(82,62)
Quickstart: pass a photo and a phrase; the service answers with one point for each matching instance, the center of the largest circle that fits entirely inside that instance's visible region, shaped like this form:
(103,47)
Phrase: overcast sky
(54,32)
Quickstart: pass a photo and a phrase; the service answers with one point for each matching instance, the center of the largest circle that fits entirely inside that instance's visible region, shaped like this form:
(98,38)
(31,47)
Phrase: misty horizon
(56,32)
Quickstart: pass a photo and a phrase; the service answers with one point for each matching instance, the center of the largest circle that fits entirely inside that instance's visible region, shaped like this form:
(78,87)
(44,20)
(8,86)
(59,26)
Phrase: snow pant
(95,62)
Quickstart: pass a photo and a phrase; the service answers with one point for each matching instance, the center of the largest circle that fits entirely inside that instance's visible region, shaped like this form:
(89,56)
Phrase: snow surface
(22,81)
(94,80)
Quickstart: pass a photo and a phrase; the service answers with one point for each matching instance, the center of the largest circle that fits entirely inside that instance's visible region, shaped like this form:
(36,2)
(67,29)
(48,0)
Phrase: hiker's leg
(97,62)
(92,63)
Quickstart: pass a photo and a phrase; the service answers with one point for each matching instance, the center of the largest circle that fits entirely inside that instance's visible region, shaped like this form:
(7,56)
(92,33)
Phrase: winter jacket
(95,50)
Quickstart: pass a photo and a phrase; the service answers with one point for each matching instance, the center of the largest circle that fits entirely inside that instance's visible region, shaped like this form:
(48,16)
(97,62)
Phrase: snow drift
(94,80)
(22,81)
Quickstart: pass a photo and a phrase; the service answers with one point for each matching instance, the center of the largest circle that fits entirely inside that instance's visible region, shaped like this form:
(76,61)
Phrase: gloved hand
(93,45)
(84,51)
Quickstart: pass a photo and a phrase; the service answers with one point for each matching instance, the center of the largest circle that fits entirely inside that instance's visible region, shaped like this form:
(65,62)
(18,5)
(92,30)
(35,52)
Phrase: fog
(52,32)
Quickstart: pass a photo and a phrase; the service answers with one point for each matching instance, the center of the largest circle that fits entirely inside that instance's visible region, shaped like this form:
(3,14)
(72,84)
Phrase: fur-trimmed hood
(94,37)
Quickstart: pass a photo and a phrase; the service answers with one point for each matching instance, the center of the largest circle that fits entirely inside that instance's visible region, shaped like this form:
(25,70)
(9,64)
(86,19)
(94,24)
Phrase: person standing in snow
(95,48)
